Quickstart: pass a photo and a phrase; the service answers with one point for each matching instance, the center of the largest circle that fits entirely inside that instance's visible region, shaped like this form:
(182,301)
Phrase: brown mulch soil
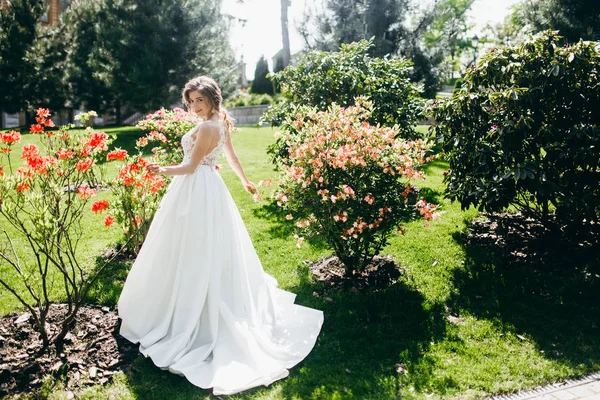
(93,350)
(518,239)
(380,273)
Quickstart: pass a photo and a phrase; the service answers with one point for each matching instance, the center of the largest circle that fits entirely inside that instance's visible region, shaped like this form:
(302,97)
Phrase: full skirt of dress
(198,301)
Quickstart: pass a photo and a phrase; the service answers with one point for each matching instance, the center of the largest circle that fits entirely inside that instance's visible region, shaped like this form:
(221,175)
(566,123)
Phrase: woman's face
(199,104)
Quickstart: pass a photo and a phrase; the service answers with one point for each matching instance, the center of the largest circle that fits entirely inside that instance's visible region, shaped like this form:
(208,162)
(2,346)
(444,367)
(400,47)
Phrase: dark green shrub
(523,131)
(321,78)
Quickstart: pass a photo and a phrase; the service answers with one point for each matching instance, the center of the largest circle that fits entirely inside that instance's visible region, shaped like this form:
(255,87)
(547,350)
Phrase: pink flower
(85,192)
(289,217)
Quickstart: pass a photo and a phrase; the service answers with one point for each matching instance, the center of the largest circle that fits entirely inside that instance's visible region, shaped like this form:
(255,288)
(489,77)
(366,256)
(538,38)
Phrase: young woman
(197,299)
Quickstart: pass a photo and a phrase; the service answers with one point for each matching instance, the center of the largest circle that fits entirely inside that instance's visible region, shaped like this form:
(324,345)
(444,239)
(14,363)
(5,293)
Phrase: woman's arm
(206,138)
(236,165)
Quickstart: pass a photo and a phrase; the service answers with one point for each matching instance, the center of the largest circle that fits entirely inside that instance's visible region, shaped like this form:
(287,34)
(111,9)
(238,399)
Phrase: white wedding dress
(197,299)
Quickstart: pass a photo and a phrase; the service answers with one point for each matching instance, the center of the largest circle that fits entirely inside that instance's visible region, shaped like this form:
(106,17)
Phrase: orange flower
(10,137)
(98,140)
(1,172)
(43,112)
(36,128)
(84,165)
(117,154)
(99,206)
(25,172)
(64,154)
(29,150)
(37,163)
(85,192)
(23,186)
(109,220)
(86,151)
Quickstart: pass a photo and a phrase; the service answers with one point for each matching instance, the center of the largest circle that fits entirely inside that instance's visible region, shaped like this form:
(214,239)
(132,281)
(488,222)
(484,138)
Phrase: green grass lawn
(515,327)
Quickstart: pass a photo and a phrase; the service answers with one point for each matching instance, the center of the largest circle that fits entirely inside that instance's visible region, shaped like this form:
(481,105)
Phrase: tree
(574,19)
(449,28)
(285,34)
(388,23)
(127,54)
(17,35)
(261,83)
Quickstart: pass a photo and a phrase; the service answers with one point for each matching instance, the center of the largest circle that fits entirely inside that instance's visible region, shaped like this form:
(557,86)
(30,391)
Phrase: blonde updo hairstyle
(208,88)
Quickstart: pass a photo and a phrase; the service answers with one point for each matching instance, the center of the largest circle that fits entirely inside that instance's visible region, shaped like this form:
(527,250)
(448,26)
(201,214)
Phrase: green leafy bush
(523,130)
(323,78)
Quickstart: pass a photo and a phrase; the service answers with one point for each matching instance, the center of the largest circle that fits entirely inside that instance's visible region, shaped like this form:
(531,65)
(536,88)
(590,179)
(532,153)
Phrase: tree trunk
(1,118)
(285,34)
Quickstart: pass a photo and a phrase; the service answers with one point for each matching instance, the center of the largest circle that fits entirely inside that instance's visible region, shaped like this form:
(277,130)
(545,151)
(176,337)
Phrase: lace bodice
(210,159)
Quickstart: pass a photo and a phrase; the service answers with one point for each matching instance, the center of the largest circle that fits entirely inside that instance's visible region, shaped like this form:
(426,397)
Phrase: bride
(197,299)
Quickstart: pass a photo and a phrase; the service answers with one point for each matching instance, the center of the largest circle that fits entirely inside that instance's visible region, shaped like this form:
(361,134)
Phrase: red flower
(29,150)
(99,206)
(84,165)
(36,128)
(128,181)
(109,220)
(49,123)
(217,167)
(98,140)
(85,192)
(37,163)
(142,163)
(1,172)
(11,137)
(64,154)
(117,154)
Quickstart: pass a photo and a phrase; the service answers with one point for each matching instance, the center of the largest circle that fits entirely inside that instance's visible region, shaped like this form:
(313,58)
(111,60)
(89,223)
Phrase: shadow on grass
(550,295)
(364,338)
(282,228)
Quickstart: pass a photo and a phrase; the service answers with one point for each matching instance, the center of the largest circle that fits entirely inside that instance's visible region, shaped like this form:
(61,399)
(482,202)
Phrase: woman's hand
(250,187)
(153,168)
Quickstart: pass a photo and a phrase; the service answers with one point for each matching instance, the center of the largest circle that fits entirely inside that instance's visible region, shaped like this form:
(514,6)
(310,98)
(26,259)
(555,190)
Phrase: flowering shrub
(349,182)
(137,196)
(165,129)
(524,131)
(44,201)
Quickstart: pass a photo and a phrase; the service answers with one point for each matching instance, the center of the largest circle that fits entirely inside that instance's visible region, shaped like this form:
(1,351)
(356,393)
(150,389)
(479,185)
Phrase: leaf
(571,57)
(520,337)
(555,70)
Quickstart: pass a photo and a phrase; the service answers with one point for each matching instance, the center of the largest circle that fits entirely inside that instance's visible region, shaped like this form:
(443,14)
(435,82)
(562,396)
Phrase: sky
(260,34)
